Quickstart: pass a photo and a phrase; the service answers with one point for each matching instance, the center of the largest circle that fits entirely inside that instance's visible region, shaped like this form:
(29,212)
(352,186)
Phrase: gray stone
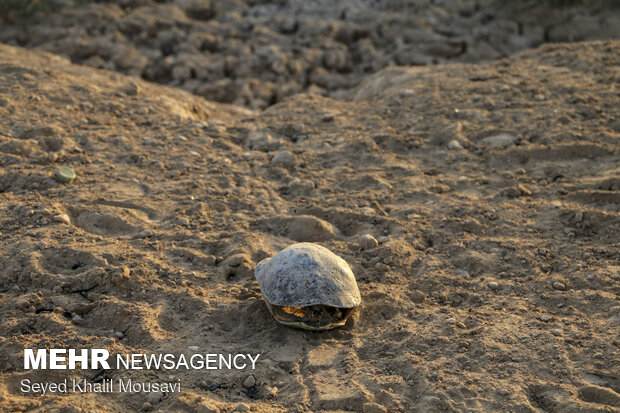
(154,397)
(249,382)
(454,144)
(559,286)
(62,218)
(501,140)
(383,239)
(367,242)
(284,159)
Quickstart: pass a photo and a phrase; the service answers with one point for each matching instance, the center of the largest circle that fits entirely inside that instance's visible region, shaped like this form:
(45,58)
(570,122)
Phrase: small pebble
(418,296)
(132,89)
(545,318)
(236,260)
(367,242)
(454,144)
(383,185)
(559,286)
(241,407)
(502,140)
(451,321)
(368,211)
(62,218)
(77,319)
(249,382)
(590,277)
(193,348)
(383,239)
(154,397)
(493,285)
(65,175)
(461,325)
(283,158)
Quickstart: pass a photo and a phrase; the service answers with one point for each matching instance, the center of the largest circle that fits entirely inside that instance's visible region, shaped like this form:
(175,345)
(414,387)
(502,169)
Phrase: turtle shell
(307,274)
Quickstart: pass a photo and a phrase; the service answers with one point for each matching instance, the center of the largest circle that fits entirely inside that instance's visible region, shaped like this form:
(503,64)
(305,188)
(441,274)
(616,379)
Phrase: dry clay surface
(494,191)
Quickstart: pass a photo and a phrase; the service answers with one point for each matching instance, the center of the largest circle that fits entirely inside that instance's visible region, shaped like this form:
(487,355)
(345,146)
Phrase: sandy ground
(497,187)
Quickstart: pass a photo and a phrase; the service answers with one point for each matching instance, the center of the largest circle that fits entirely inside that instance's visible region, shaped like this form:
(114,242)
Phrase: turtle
(307,286)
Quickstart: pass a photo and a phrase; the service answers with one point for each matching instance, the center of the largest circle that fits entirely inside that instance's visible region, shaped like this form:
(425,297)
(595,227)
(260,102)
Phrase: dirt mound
(256,53)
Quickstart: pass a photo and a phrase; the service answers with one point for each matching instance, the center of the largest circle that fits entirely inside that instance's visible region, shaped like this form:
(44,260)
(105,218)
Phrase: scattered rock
(383,239)
(559,286)
(193,348)
(132,89)
(249,382)
(368,211)
(367,242)
(544,318)
(417,296)
(501,140)
(454,144)
(62,218)
(284,159)
(493,285)
(262,141)
(154,397)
